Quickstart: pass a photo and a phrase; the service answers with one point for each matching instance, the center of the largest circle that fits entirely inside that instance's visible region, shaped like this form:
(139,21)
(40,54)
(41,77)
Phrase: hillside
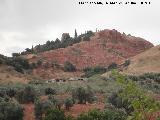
(9,75)
(14,69)
(148,61)
(104,48)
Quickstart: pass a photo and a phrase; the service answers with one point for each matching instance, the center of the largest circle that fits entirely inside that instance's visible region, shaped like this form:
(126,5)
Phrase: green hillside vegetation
(20,64)
(55,44)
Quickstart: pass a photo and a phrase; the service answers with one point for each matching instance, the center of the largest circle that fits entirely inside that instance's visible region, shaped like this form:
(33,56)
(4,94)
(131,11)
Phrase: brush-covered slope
(9,75)
(13,69)
(148,61)
(104,48)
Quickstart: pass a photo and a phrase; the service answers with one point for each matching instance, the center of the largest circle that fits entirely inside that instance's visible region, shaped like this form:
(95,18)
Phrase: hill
(101,49)
(146,62)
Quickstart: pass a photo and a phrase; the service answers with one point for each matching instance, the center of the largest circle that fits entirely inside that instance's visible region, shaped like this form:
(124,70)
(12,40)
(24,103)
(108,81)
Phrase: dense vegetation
(149,81)
(90,71)
(10,110)
(111,114)
(83,95)
(138,101)
(19,63)
(65,41)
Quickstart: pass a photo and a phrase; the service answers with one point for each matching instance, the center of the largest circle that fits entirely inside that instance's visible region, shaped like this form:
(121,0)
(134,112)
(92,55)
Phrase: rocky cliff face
(104,48)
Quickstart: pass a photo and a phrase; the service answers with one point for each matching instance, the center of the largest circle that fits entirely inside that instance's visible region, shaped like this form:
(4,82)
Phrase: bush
(112,66)
(55,114)
(127,62)
(11,92)
(95,70)
(33,65)
(68,103)
(87,35)
(41,107)
(3,91)
(26,95)
(114,114)
(103,115)
(83,95)
(18,63)
(38,110)
(69,67)
(15,54)
(10,110)
(91,115)
(144,106)
(118,102)
(56,102)
(18,68)
(49,91)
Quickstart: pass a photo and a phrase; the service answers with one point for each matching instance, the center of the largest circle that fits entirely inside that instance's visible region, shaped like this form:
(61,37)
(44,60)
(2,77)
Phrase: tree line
(65,41)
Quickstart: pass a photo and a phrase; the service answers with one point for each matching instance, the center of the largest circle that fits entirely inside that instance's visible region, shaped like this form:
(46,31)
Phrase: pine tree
(75,35)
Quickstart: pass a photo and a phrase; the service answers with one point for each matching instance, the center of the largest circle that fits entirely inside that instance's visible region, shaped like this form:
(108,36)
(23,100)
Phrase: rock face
(104,48)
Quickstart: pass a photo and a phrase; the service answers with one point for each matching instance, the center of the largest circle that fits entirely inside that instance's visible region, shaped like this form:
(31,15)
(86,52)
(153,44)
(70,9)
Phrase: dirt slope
(148,61)
(9,75)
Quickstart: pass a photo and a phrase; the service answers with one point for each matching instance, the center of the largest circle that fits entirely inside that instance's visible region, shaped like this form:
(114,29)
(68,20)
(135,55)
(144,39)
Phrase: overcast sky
(24,23)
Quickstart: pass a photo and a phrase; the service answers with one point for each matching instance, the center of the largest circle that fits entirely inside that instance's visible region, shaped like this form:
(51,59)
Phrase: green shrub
(68,103)
(26,95)
(114,114)
(55,114)
(112,66)
(83,95)
(103,115)
(90,71)
(87,35)
(41,107)
(91,115)
(10,110)
(18,68)
(38,110)
(56,102)
(3,91)
(15,54)
(69,67)
(11,92)
(144,106)
(18,63)
(33,65)
(118,102)
(127,62)
(49,91)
